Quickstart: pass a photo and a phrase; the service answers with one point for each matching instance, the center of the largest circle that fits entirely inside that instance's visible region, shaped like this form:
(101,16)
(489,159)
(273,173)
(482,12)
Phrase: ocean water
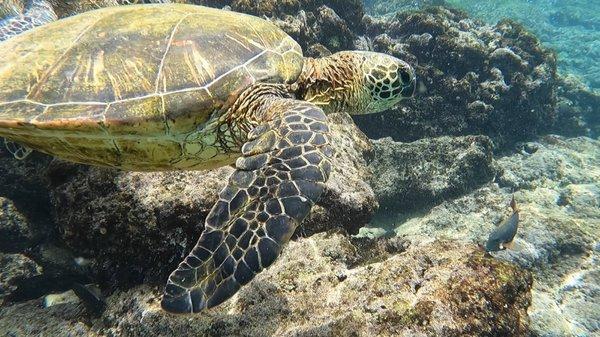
(322,168)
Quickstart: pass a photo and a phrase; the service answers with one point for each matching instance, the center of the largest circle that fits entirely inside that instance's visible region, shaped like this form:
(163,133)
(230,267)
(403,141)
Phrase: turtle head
(386,81)
(357,82)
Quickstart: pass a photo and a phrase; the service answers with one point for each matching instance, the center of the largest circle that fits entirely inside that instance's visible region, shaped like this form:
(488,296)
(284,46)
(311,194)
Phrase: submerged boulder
(473,78)
(425,172)
(329,285)
(15,268)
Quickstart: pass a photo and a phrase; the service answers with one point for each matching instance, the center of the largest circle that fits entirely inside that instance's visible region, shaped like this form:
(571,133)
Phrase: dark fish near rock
(502,237)
(42,285)
(92,301)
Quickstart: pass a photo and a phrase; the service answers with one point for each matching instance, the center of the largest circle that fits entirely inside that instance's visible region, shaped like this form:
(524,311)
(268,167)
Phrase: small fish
(502,237)
(41,285)
(93,301)
(60,298)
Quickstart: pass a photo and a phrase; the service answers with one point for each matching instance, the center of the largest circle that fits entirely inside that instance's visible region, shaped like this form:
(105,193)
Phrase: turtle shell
(131,86)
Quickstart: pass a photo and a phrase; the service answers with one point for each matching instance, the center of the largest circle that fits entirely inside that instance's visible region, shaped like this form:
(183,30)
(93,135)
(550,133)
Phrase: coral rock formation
(327,285)
(556,184)
(473,78)
(422,173)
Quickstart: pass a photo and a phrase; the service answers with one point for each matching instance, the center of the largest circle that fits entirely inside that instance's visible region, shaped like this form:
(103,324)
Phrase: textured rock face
(556,184)
(137,226)
(569,27)
(16,233)
(578,109)
(319,26)
(422,173)
(14,268)
(312,291)
(327,285)
(32,319)
(473,78)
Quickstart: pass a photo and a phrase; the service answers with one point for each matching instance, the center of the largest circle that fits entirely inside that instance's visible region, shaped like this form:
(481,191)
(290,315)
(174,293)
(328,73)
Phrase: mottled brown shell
(127,86)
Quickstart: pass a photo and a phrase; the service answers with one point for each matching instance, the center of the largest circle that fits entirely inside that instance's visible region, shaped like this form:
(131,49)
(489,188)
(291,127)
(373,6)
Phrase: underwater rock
(59,261)
(137,226)
(382,7)
(332,24)
(16,232)
(349,11)
(556,163)
(556,185)
(24,183)
(15,268)
(321,286)
(578,109)
(33,319)
(473,78)
(425,172)
(323,26)
(329,285)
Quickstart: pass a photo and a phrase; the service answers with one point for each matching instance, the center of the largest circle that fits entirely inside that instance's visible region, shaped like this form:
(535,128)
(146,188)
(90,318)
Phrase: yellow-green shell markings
(138,87)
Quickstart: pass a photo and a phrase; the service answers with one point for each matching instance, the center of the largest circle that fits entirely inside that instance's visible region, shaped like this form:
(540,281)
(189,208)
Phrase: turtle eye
(404,76)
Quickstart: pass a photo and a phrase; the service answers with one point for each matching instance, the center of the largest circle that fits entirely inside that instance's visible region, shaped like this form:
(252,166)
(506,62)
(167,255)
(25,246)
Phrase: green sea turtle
(183,87)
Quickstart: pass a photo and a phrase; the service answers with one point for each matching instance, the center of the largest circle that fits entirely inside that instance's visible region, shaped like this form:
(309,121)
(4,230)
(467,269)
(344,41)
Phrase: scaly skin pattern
(15,18)
(278,178)
(355,82)
(134,87)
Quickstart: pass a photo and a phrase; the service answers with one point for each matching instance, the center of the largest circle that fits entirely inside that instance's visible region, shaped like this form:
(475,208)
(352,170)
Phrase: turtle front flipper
(278,179)
(18,17)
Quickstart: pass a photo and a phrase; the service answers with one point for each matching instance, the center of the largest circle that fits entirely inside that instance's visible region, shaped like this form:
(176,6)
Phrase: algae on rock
(556,184)
(425,172)
(328,285)
(473,78)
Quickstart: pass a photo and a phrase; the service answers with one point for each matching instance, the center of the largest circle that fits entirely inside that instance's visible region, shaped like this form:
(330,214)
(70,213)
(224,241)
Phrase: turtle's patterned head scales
(356,82)
(387,79)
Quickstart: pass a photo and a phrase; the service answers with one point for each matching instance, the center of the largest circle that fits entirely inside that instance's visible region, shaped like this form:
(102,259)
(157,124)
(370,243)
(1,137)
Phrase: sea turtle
(184,87)
(17,16)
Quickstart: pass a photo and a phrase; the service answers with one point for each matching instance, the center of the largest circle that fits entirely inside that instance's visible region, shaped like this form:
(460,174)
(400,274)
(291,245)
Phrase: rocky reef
(474,78)
(422,173)
(569,27)
(328,285)
(453,157)
(555,181)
